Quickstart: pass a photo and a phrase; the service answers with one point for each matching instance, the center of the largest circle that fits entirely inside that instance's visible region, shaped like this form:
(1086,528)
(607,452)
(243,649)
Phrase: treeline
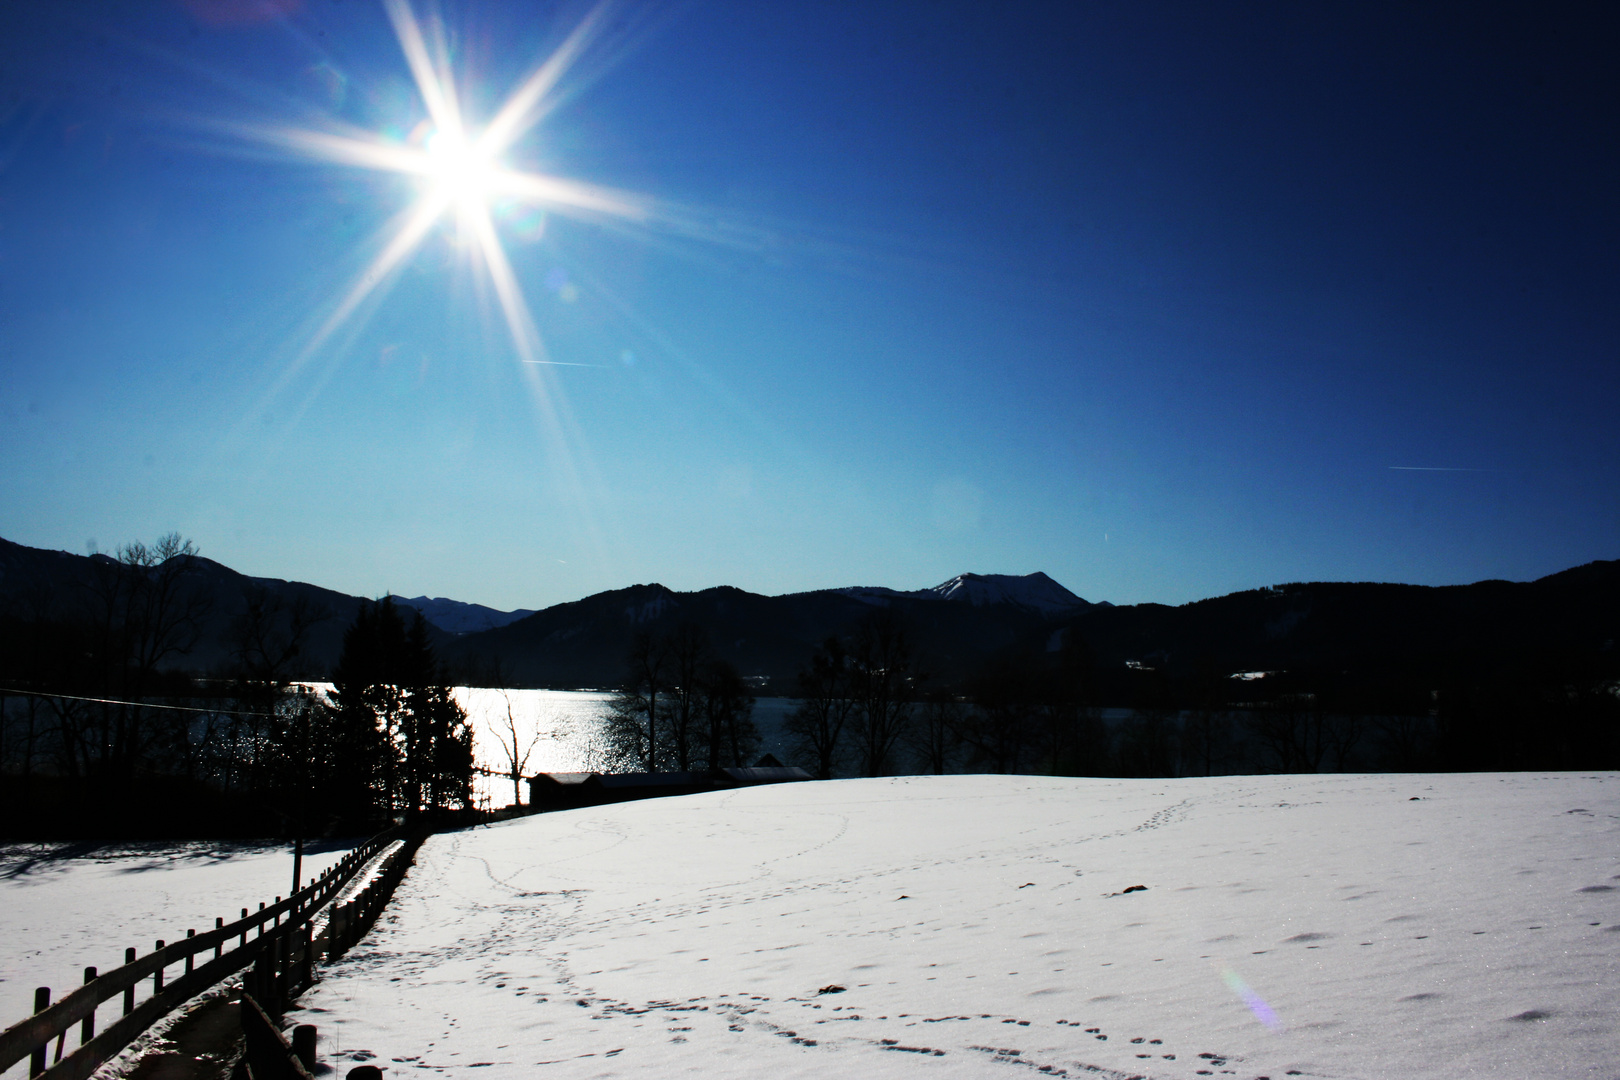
(681,708)
(867,705)
(100,736)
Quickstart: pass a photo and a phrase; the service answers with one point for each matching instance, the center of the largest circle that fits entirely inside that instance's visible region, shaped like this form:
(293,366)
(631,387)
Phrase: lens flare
(1254,1001)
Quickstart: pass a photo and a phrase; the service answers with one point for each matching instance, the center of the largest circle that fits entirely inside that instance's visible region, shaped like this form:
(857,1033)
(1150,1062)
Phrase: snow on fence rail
(282,957)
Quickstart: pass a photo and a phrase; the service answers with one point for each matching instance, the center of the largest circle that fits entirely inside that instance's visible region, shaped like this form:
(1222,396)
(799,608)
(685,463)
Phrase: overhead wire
(136,704)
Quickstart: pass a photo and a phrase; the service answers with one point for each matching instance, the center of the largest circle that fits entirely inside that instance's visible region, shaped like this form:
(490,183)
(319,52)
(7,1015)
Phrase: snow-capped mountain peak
(1032,592)
(1036,592)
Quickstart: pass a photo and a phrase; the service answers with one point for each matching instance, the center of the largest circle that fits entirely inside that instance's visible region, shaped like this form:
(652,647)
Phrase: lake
(566,729)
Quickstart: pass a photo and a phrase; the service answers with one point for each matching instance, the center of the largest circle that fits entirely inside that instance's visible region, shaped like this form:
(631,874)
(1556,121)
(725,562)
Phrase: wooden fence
(276,941)
(267,1052)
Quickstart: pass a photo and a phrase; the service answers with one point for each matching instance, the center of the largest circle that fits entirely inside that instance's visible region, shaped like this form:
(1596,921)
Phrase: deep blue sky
(1165,300)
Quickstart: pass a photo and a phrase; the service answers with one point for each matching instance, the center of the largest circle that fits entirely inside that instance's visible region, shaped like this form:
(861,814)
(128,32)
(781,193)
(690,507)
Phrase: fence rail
(268,1054)
(276,938)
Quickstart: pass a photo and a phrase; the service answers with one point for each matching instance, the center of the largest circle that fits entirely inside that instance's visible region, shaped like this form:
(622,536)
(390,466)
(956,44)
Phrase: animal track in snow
(1530,1015)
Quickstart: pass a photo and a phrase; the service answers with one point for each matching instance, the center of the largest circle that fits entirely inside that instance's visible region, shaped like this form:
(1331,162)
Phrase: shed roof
(564,779)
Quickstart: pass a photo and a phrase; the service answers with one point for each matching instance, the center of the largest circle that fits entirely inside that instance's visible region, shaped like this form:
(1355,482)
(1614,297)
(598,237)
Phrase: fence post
(261,977)
(244,929)
(272,985)
(283,949)
(157,976)
(189,956)
(219,946)
(42,1001)
(129,991)
(87,1028)
(303,1045)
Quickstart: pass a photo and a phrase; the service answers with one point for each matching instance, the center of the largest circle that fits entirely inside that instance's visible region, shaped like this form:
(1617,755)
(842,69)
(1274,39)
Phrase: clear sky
(1166,300)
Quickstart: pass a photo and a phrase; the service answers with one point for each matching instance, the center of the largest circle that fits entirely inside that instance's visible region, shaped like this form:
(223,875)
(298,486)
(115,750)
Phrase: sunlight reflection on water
(565,729)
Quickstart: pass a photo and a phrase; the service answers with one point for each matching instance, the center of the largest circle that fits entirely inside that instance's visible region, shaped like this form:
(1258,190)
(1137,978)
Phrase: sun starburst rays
(461,173)
(417,223)
(463,181)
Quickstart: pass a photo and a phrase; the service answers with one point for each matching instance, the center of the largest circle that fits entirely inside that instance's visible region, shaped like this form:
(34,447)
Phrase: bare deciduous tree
(1292,731)
(514,748)
(936,734)
(881,679)
(826,702)
(631,725)
(729,736)
(687,655)
(999,729)
(142,614)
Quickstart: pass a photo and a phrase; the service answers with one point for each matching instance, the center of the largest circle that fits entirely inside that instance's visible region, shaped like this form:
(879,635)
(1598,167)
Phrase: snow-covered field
(1330,926)
(65,907)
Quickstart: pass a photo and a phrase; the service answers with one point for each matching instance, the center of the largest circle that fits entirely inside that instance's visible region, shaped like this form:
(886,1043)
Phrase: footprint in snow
(1530,1015)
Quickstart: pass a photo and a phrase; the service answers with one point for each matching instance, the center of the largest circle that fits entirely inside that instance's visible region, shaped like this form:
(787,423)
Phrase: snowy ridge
(1033,592)
(647,610)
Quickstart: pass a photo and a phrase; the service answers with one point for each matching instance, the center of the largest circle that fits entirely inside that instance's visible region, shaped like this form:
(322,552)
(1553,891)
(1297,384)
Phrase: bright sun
(462,171)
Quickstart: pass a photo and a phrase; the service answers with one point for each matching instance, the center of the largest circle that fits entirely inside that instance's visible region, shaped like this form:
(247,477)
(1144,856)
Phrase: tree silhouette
(631,728)
(998,731)
(409,742)
(935,737)
(141,613)
(826,702)
(513,747)
(687,657)
(728,735)
(881,682)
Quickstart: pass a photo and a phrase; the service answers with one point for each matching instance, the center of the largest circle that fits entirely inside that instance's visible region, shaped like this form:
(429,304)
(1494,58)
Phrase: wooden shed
(560,790)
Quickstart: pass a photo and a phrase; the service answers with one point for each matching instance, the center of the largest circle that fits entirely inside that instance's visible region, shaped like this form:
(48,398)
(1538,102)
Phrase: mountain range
(459,617)
(954,627)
